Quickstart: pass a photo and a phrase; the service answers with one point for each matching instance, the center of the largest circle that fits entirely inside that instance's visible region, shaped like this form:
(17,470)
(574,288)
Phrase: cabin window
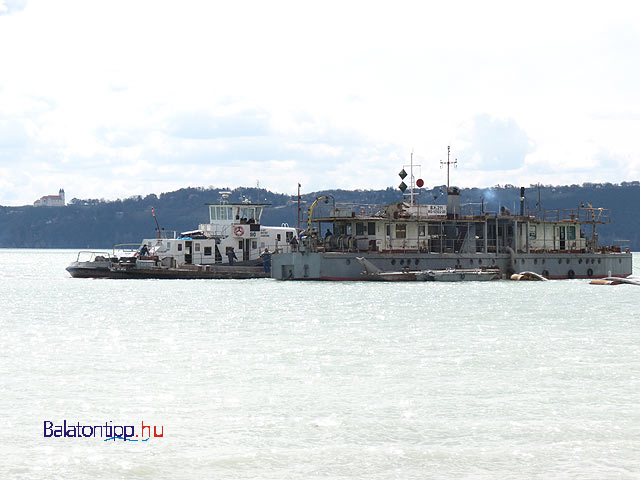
(207,251)
(532,232)
(168,245)
(278,238)
(401,230)
(359,228)
(348,230)
(388,230)
(197,248)
(179,247)
(240,244)
(421,230)
(434,229)
(371,227)
(289,236)
(254,244)
(571,232)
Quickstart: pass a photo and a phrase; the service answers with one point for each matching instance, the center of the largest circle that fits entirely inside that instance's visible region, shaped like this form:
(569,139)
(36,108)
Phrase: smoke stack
(522,201)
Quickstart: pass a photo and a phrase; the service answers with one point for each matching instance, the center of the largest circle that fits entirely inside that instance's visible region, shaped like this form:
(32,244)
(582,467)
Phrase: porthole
(348,261)
(479,261)
(402,261)
(559,260)
(599,260)
(579,260)
(393,261)
(417,261)
(535,261)
(543,260)
(471,261)
(567,261)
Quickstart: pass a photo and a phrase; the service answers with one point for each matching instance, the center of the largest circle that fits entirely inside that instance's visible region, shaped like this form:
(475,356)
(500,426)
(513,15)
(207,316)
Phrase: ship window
(371,227)
(401,230)
(197,247)
(348,230)
(571,232)
(240,244)
(207,251)
(278,238)
(254,244)
(289,236)
(433,229)
(532,232)
(388,230)
(421,230)
(179,247)
(359,228)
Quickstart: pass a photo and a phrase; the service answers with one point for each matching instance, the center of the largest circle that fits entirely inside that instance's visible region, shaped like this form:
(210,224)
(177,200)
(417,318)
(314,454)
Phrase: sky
(110,99)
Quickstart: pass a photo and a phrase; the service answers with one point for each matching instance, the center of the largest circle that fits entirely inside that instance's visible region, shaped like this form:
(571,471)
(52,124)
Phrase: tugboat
(231,245)
(406,236)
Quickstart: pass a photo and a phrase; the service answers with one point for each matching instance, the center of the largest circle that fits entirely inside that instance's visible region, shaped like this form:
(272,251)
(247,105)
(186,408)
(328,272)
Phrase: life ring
(590,273)
(571,274)
(238,230)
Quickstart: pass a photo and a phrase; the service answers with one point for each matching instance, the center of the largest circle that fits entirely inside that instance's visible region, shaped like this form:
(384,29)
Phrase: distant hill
(101,224)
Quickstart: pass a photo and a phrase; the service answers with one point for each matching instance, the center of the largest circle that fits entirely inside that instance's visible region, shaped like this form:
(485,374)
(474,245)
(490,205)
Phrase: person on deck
(231,255)
(266,260)
(144,251)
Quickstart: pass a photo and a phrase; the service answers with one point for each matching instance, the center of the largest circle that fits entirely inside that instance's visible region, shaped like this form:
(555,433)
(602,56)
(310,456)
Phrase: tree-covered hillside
(101,224)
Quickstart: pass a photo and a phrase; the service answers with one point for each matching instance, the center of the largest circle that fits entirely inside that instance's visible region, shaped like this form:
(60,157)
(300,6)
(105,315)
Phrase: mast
(448,163)
(299,207)
(412,181)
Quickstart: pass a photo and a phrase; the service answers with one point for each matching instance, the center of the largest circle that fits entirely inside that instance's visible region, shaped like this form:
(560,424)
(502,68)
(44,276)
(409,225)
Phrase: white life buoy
(238,230)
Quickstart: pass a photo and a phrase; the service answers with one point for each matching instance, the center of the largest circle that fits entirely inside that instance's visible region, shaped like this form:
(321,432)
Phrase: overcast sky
(110,99)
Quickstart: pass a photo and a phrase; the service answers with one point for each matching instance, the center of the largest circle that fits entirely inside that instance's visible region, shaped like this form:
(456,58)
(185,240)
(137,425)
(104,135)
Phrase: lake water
(267,379)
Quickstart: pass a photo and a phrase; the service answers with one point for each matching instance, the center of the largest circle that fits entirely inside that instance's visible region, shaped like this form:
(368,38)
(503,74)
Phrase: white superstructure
(234,232)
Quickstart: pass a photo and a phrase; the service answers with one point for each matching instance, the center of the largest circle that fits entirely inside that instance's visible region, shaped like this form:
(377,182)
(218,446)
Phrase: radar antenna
(448,163)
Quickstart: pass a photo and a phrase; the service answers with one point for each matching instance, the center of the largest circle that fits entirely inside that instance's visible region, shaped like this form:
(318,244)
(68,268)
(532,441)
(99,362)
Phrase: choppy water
(267,379)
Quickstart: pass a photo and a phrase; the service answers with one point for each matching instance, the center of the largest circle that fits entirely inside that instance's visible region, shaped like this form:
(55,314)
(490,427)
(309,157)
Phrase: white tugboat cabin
(234,234)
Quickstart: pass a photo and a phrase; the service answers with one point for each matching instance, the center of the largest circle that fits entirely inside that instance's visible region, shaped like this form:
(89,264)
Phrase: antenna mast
(448,163)
(412,181)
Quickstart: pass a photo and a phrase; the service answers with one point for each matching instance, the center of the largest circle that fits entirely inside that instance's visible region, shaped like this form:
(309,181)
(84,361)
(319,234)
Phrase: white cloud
(333,95)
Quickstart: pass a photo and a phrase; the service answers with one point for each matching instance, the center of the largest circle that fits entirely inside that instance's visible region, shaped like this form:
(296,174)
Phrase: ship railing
(578,215)
(125,249)
(328,212)
(92,255)
(214,229)
(168,234)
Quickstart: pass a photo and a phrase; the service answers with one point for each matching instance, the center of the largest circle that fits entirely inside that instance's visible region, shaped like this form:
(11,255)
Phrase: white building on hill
(51,200)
